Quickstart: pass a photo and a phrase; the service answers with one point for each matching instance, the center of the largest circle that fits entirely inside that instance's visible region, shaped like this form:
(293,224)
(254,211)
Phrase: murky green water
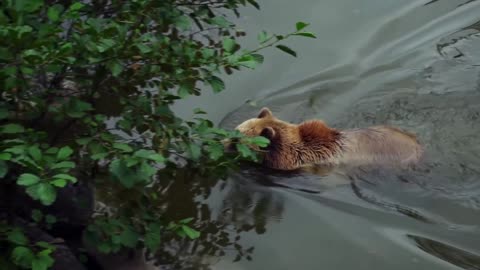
(412,64)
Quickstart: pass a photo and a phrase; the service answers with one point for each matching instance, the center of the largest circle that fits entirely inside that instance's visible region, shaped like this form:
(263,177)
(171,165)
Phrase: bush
(86,90)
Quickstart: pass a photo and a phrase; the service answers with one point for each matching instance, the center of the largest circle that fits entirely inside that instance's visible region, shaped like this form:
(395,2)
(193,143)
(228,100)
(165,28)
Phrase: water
(412,64)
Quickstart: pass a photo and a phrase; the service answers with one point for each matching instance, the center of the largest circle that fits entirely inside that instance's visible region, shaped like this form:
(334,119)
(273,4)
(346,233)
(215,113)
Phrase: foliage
(86,90)
(25,254)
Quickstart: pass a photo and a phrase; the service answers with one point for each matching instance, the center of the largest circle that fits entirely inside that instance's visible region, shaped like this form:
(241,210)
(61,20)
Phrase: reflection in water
(242,209)
(453,255)
(250,207)
(297,180)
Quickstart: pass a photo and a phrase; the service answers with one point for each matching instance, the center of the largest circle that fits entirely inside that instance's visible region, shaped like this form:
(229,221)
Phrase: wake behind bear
(313,143)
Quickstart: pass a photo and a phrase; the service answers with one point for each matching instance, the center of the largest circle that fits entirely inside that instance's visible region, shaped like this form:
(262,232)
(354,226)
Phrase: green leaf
(254,3)
(171,225)
(149,154)
(99,156)
(21,30)
(63,165)
(258,58)
(83,141)
(37,215)
(18,141)
(76,6)
(208,53)
(50,219)
(183,22)
(250,60)
(27,70)
(43,261)
(3,111)
(23,256)
(191,233)
(146,171)
(229,44)
(105,44)
(32,53)
(53,12)
(12,129)
(143,153)
(3,168)
(27,161)
(131,161)
(195,151)
(64,153)
(152,238)
(125,175)
(17,236)
(143,48)
(77,108)
(59,183)
(248,64)
(5,54)
(44,192)
(27,179)
(244,150)
(195,111)
(18,150)
(263,37)
(184,90)
(219,131)
(129,238)
(215,151)
(220,21)
(115,67)
(181,233)
(66,177)
(260,141)
(45,245)
(51,150)
(104,247)
(216,83)
(35,153)
(123,146)
(301,25)
(28,5)
(287,50)
(306,34)
(157,157)
(186,220)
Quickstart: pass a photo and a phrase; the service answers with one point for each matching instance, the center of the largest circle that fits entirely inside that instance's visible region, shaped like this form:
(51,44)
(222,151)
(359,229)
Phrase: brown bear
(314,143)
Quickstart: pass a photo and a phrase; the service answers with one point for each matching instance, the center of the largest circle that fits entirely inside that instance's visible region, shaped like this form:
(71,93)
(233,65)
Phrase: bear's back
(380,145)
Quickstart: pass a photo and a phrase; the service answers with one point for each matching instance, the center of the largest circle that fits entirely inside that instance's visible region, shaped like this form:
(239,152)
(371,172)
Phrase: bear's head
(270,127)
(291,146)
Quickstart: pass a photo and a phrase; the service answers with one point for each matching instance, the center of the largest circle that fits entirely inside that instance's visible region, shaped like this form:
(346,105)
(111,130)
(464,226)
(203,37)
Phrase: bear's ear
(264,112)
(268,132)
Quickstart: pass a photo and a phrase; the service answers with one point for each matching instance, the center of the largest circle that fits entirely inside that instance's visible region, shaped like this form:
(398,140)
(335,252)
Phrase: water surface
(412,64)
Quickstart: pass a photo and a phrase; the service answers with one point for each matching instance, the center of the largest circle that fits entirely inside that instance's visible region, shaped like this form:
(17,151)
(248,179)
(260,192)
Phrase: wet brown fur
(313,142)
